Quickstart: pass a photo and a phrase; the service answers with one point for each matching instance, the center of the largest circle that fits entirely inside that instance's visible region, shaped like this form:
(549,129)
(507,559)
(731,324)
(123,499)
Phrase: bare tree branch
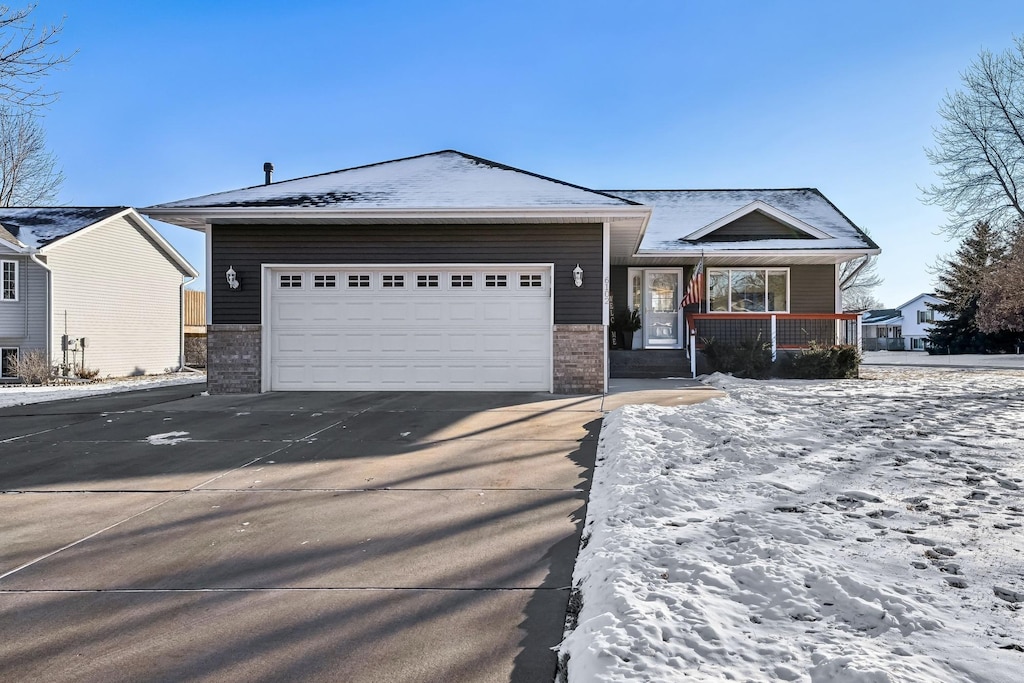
(28,170)
(26,55)
(979,148)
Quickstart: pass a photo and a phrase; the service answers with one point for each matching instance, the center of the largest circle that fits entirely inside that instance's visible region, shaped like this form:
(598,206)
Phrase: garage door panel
(376,338)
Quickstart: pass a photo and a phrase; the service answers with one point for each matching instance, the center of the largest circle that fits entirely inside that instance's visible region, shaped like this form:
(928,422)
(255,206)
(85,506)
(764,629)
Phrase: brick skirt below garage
(234,359)
(579,359)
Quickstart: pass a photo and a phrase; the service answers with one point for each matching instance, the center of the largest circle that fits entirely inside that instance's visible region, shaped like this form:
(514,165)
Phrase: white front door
(661,309)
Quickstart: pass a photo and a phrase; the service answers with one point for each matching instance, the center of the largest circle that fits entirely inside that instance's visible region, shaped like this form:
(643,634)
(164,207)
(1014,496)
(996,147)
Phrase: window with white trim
(430,280)
(10,280)
(527,280)
(462,280)
(325,281)
(290,281)
(927,316)
(390,281)
(359,280)
(9,362)
(748,290)
(495,280)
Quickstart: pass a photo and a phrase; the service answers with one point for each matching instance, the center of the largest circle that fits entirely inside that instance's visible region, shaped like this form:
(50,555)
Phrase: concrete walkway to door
(163,536)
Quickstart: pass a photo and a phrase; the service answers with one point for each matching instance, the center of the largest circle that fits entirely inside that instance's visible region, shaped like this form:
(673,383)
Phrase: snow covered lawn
(860,530)
(17,394)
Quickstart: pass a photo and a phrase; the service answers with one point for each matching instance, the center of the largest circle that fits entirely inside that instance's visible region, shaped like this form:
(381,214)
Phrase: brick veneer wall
(579,359)
(234,363)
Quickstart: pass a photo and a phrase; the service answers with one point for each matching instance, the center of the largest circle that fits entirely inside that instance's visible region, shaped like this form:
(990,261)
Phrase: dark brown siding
(812,289)
(753,226)
(245,248)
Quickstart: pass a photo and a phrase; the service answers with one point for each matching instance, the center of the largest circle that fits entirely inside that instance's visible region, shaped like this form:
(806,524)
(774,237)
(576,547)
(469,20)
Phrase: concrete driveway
(165,536)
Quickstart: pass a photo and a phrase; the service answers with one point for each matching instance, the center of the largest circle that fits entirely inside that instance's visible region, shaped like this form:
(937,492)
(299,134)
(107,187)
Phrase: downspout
(181,330)
(49,303)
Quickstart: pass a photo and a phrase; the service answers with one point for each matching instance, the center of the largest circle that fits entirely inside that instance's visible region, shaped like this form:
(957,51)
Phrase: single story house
(91,287)
(446,271)
(905,328)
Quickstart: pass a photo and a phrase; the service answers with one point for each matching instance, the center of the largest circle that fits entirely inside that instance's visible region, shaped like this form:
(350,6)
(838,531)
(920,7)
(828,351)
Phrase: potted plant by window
(626,323)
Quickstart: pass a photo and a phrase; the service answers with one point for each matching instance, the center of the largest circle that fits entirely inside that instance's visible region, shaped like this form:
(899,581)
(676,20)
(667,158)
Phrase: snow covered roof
(679,214)
(881,316)
(36,227)
(441,180)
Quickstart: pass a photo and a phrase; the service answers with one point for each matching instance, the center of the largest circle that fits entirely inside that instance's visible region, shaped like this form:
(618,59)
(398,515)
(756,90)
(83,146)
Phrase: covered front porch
(781,332)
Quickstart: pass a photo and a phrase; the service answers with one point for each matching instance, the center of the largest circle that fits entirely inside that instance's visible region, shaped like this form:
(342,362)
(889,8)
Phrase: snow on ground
(859,530)
(17,394)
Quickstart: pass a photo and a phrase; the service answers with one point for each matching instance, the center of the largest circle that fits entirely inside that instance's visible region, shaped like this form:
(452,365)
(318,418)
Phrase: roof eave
(198,218)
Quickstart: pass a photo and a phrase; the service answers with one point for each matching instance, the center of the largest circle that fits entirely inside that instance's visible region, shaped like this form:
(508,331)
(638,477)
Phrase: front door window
(661,309)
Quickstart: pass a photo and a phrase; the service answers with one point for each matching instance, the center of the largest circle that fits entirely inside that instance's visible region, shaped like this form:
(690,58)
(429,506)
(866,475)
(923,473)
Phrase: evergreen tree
(960,280)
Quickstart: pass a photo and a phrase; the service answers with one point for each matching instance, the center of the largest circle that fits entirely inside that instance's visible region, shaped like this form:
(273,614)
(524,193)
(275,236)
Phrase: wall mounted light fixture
(232,276)
(577,276)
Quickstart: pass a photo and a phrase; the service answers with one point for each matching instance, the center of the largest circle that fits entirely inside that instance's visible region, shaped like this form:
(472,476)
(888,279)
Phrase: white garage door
(410,328)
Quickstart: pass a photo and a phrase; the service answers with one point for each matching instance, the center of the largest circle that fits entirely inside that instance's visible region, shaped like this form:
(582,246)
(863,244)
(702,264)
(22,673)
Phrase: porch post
(774,340)
(693,350)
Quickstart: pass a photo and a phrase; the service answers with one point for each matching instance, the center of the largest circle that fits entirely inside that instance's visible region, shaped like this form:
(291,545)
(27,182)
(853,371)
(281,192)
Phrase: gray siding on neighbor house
(23,322)
(812,289)
(754,225)
(247,248)
(122,292)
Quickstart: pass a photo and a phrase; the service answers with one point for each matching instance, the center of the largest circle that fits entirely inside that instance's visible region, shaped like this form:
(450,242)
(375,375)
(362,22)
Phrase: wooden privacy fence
(195,312)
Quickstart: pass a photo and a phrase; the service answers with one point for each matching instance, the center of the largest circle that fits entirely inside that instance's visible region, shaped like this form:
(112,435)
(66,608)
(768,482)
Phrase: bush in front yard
(751,358)
(33,367)
(195,351)
(823,362)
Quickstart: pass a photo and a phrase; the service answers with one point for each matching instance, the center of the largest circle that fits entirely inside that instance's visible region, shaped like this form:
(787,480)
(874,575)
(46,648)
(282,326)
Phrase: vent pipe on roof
(268,169)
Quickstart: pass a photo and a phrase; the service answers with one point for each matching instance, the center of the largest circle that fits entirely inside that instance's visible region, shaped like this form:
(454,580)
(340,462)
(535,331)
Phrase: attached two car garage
(408,327)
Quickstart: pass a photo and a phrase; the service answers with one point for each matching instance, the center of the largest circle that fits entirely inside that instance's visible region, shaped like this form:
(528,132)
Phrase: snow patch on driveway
(168,439)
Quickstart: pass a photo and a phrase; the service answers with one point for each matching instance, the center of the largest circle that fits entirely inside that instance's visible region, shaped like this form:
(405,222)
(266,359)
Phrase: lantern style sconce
(232,276)
(577,276)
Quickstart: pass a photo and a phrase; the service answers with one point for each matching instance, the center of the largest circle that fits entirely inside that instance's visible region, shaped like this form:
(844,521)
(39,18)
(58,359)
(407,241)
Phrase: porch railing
(779,330)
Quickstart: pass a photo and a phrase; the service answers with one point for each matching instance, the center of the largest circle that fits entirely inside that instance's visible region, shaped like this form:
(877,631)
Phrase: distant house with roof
(93,287)
(446,271)
(905,328)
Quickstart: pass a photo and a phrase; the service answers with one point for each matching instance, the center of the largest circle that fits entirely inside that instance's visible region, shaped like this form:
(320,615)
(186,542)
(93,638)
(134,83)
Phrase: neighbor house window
(9,358)
(926,316)
(748,290)
(10,280)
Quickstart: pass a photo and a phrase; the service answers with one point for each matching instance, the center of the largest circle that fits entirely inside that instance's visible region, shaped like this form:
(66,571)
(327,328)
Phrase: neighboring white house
(904,328)
(93,287)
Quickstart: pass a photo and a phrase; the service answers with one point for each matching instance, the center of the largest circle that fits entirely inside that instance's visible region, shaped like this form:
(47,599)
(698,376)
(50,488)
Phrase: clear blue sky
(171,100)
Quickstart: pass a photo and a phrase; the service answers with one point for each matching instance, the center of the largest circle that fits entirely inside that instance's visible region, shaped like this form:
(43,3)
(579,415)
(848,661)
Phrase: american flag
(695,288)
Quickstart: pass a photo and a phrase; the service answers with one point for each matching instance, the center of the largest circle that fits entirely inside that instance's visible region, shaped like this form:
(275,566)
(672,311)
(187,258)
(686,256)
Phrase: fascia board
(758,205)
(16,248)
(694,253)
(209,215)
